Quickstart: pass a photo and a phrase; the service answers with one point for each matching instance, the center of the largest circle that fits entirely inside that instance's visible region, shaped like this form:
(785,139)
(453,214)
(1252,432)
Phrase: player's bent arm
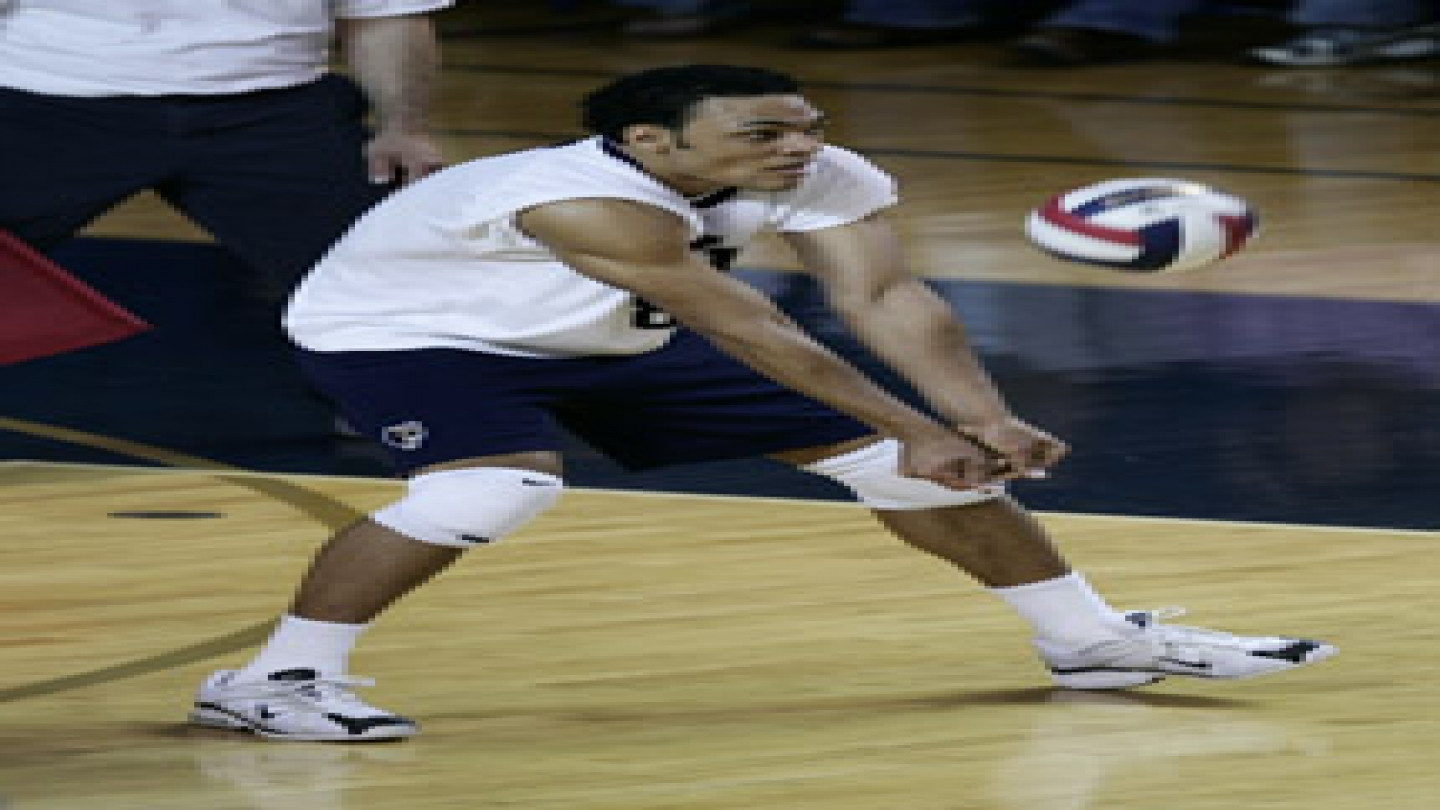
(644,250)
(898,317)
(913,330)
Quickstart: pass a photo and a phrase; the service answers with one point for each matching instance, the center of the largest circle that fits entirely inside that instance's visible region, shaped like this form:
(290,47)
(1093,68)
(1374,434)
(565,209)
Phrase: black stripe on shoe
(358,726)
(1077,670)
(246,723)
(1296,653)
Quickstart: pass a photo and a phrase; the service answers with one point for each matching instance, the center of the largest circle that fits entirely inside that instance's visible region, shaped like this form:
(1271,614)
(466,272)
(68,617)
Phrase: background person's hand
(395,156)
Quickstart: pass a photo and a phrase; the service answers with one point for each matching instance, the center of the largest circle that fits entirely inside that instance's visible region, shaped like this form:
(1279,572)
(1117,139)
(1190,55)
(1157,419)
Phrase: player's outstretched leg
(1083,642)
(297,687)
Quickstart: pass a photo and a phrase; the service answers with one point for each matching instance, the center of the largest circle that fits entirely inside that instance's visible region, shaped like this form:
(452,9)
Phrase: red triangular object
(45,310)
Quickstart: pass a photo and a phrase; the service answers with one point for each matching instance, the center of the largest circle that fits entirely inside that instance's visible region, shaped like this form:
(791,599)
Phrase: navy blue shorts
(686,402)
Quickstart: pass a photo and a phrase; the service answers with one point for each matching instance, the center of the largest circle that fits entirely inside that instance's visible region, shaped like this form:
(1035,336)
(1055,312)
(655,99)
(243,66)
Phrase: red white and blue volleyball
(1143,225)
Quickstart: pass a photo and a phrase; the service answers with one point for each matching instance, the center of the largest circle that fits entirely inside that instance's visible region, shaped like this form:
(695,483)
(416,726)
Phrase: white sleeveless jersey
(163,47)
(443,263)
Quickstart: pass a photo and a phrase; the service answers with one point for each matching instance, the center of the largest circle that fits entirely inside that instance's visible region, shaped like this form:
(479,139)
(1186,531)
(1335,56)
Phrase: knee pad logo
(404,435)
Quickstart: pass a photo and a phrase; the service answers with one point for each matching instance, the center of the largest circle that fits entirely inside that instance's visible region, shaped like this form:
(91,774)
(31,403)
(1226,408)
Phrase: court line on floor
(332,514)
(650,493)
(314,505)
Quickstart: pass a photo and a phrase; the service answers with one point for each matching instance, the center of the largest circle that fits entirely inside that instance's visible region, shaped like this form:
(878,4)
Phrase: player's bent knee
(873,474)
(468,507)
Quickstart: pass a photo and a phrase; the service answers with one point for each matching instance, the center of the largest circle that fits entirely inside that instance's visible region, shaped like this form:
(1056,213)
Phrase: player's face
(759,143)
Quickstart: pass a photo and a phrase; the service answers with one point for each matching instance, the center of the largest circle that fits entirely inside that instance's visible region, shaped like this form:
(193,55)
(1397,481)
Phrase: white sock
(304,644)
(1064,610)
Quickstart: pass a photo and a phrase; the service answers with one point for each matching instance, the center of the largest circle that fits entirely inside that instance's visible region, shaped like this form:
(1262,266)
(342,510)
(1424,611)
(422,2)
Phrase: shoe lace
(1177,638)
(329,689)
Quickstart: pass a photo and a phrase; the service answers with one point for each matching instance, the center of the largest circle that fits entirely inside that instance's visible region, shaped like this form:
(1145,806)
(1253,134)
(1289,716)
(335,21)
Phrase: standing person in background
(465,319)
(898,23)
(1073,34)
(224,108)
(665,19)
(1098,32)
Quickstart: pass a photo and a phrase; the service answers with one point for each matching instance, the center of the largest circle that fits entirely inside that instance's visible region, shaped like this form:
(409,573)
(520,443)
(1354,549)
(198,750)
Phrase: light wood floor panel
(646,651)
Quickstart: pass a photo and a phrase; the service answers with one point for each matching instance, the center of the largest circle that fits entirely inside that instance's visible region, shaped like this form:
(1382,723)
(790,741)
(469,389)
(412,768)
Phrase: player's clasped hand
(1016,449)
(950,460)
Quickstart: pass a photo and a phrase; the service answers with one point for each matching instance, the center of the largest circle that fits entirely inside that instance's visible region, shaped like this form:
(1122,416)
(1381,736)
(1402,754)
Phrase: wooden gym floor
(1256,441)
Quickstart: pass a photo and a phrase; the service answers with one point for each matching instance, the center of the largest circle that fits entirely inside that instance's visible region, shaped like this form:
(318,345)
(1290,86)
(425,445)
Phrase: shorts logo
(404,435)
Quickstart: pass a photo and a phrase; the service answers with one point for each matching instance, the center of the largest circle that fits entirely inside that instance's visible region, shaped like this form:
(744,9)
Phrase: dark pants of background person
(275,176)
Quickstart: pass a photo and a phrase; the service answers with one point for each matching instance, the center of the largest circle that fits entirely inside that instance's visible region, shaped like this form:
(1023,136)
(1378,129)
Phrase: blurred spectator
(1092,32)
(684,18)
(1082,32)
(897,23)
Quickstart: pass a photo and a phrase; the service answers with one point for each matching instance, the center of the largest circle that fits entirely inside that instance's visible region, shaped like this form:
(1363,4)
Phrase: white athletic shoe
(1154,650)
(1322,47)
(295,704)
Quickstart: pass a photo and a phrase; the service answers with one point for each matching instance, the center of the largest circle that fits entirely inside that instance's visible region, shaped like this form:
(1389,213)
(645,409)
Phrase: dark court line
(318,507)
(992,92)
(991,157)
(194,653)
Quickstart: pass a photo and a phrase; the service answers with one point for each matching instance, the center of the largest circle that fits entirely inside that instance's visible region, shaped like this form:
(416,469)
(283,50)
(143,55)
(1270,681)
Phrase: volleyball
(1142,225)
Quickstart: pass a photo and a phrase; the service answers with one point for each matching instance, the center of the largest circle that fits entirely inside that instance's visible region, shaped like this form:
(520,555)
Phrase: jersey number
(649,316)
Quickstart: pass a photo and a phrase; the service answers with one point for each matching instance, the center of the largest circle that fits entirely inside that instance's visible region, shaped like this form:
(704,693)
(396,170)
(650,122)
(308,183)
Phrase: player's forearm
(782,351)
(913,331)
(395,60)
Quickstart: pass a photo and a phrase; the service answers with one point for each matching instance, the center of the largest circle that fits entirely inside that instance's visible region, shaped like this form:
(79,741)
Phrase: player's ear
(649,137)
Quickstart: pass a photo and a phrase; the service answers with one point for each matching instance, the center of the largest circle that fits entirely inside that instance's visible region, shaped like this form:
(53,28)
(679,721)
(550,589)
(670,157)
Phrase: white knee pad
(873,474)
(469,507)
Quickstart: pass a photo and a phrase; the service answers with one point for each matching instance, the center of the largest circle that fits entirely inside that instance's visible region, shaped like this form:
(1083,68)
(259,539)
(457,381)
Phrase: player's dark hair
(666,96)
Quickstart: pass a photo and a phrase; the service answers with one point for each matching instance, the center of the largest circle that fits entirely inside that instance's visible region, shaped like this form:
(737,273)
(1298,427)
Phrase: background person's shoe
(1055,46)
(1155,650)
(1348,46)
